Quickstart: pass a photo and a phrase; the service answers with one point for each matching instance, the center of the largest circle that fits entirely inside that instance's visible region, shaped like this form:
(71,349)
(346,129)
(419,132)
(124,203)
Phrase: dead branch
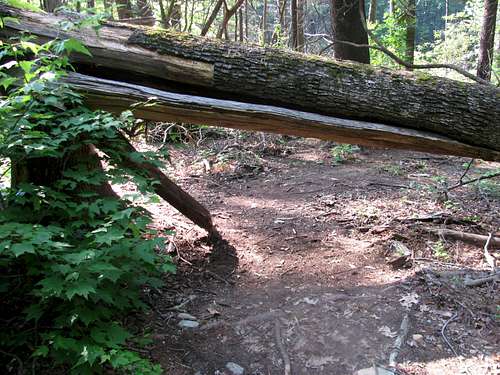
(489,259)
(463,183)
(281,347)
(472,238)
(403,332)
(168,190)
(482,280)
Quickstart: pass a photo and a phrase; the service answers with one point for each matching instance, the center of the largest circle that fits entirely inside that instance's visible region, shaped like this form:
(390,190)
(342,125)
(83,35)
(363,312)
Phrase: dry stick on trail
(471,238)
(484,177)
(281,347)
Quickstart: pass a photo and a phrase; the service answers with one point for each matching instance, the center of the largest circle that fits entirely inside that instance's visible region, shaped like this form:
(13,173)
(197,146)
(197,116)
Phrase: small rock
(374,371)
(189,324)
(186,316)
(235,368)
(419,339)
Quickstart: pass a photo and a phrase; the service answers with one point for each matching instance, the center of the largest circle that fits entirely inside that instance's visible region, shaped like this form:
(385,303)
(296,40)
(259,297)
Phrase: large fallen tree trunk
(464,112)
(163,106)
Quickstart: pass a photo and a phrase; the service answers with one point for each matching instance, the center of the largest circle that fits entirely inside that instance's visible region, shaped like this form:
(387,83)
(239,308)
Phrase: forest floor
(300,282)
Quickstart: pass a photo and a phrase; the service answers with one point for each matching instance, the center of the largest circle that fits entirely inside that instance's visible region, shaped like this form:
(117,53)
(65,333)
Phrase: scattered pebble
(186,316)
(189,324)
(235,368)
(419,339)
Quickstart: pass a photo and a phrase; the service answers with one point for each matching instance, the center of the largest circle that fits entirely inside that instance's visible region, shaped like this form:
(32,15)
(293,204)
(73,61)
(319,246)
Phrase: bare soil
(301,277)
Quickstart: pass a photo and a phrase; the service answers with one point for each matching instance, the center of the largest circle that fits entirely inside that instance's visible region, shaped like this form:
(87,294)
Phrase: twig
(482,280)
(444,336)
(20,370)
(403,332)
(389,185)
(220,278)
(483,177)
(281,347)
(469,164)
(489,259)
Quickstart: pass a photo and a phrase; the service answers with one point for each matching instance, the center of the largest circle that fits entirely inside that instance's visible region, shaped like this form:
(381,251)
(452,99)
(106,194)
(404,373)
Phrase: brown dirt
(304,250)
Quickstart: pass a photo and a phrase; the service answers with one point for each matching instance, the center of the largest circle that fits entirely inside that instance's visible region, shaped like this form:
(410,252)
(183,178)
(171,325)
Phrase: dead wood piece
(489,259)
(168,190)
(164,58)
(472,238)
(483,280)
(399,254)
(281,347)
(403,332)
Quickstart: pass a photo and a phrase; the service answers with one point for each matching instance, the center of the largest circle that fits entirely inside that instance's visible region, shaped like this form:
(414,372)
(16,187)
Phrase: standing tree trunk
(392,7)
(124,9)
(487,39)
(293,31)
(241,25)
(372,15)
(51,5)
(411,23)
(229,13)
(212,17)
(264,24)
(144,9)
(301,41)
(347,27)
(163,14)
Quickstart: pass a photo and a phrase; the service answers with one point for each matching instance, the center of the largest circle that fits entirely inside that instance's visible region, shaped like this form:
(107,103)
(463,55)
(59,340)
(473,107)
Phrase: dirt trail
(300,278)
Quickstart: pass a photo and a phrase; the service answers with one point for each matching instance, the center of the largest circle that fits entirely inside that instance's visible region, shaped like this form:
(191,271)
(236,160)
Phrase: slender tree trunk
(301,41)
(144,9)
(229,13)
(264,24)
(347,27)
(392,7)
(411,23)
(487,41)
(236,21)
(123,8)
(372,15)
(293,31)
(163,14)
(241,25)
(90,3)
(51,5)
(212,17)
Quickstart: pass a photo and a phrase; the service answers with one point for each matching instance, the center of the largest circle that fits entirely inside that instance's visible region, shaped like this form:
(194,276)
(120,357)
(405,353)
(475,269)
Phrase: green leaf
(22,248)
(73,45)
(41,351)
(79,289)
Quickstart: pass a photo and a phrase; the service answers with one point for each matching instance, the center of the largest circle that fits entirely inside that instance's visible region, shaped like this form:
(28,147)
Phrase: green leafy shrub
(74,261)
(343,152)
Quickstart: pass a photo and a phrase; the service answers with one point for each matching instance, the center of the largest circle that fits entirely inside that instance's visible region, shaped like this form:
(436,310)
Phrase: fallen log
(468,113)
(161,105)
(169,191)
(472,238)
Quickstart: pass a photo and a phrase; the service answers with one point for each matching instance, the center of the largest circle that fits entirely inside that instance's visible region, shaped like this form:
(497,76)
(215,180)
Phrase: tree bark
(51,5)
(465,112)
(264,24)
(347,27)
(411,23)
(487,40)
(301,41)
(167,106)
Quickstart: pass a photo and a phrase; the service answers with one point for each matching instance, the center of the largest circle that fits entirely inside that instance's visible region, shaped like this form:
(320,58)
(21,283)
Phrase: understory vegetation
(74,260)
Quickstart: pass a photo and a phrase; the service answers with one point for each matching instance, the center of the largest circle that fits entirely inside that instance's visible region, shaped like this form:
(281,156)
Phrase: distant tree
(51,5)
(487,40)
(347,27)
(372,14)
